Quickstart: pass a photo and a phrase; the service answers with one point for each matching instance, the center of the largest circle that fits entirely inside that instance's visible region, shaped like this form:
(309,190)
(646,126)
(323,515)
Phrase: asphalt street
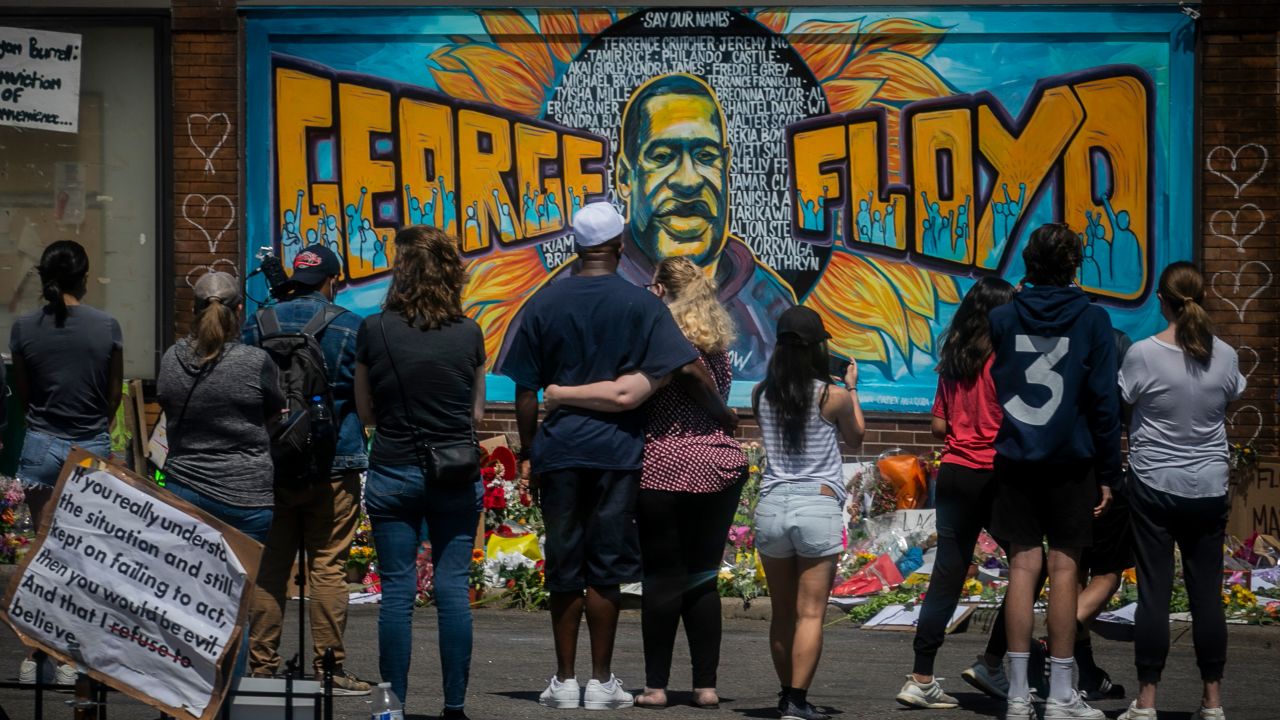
(860,672)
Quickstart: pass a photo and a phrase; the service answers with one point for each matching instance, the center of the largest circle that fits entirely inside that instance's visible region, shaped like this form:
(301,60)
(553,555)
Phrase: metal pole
(39,657)
(329,662)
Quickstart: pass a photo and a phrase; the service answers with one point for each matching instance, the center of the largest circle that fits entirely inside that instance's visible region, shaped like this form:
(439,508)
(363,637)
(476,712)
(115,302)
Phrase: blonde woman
(693,474)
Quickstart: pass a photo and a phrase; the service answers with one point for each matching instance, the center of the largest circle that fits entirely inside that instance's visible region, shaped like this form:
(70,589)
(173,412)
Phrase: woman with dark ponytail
(68,370)
(1179,382)
(219,398)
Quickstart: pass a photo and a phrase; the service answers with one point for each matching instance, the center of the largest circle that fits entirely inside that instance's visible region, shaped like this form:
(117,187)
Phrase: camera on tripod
(271,267)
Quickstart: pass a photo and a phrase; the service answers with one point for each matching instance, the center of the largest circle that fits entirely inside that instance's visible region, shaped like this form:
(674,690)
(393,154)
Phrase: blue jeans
(44,454)
(398,499)
(252,521)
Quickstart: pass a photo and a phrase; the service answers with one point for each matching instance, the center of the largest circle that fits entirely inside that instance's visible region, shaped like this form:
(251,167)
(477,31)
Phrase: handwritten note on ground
(138,590)
(39,79)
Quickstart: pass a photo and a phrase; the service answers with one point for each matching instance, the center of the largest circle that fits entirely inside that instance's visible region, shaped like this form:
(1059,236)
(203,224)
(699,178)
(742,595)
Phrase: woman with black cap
(800,515)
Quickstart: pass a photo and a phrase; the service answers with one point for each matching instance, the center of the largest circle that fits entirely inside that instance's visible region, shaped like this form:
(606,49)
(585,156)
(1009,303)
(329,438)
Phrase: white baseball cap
(597,224)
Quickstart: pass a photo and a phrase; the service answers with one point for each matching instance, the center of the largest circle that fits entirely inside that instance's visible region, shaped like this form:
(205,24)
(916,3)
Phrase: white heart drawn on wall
(1252,154)
(1234,236)
(1261,268)
(208,121)
(195,210)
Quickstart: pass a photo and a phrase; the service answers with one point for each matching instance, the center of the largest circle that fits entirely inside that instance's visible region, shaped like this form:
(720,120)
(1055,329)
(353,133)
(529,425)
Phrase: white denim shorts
(796,519)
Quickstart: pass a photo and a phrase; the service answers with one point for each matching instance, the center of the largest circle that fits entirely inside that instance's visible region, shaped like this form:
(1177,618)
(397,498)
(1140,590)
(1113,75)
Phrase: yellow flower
(754,469)
(1130,576)
(972,587)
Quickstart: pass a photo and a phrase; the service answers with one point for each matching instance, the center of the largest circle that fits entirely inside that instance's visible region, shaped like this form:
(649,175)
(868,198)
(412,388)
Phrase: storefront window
(97,186)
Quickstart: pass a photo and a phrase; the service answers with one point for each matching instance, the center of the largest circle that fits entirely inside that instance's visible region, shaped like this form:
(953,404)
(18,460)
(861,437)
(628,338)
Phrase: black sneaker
(1103,689)
(453,714)
(792,710)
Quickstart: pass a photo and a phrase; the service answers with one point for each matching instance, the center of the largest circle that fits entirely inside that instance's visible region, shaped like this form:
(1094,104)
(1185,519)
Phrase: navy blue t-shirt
(582,330)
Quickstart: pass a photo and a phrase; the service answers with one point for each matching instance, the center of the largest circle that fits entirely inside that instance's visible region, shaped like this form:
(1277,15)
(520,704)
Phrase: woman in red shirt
(692,477)
(967,416)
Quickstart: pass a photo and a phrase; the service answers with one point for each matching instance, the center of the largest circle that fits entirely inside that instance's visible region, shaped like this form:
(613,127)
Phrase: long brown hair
(1182,291)
(427,277)
(694,304)
(214,327)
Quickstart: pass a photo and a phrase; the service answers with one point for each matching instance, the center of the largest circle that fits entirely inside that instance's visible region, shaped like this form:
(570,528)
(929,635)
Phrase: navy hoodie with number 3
(1055,378)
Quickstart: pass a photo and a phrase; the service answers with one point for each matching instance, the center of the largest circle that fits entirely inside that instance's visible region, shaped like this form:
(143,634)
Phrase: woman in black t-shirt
(420,379)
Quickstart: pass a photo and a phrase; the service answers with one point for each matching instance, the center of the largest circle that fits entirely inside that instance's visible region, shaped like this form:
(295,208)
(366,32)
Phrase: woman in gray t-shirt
(218,397)
(68,371)
(1178,383)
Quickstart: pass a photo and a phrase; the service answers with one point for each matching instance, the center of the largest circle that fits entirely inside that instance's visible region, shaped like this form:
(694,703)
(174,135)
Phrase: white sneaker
(63,675)
(1020,709)
(561,694)
(925,695)
(990,680)
(1074,709)
(1209,714)
(606,696)
(1136,713)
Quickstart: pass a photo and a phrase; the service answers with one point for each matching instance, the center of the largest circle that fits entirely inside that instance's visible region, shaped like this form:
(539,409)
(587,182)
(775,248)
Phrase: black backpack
(305,440)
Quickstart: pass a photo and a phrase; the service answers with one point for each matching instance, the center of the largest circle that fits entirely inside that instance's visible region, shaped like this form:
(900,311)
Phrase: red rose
(525,499)
(511,584)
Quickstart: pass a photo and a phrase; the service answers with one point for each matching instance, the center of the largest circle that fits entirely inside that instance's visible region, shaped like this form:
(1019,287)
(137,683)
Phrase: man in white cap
(587,327)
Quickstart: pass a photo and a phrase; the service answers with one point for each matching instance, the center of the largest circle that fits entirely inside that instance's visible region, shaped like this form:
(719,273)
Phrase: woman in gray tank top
(800,517)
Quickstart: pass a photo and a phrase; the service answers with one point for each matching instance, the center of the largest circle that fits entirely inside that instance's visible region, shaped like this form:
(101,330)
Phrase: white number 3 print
(1041,372)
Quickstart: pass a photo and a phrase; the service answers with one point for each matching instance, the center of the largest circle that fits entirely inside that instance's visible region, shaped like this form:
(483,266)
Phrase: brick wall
(207,158)
(883,431)
(1240,216)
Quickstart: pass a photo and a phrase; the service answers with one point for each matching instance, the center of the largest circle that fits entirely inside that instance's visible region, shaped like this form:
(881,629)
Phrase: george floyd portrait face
(673,169)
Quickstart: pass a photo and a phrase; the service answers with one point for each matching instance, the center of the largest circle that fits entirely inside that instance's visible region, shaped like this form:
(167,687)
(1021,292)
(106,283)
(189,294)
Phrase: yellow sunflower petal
(774,18)
(907,79)
(921,332)
(947,288)
(851,293)
(513,33)
(561,31)
(594,21)
(825,46)
(913,284)
(846,95)
(497,287)
(504,78)
(454,80)
(911,37)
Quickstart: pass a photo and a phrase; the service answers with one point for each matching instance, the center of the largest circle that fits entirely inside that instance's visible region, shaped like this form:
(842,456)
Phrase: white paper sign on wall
(39,79)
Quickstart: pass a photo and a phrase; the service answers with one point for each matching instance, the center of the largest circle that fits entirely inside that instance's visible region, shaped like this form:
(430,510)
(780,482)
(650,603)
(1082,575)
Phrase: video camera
(272,269)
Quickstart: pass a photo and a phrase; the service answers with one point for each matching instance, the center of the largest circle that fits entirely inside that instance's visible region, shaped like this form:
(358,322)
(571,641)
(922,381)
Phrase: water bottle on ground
(386,706)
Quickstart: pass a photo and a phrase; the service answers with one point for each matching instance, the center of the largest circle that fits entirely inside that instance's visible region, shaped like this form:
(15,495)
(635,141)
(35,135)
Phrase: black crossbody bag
(452,464)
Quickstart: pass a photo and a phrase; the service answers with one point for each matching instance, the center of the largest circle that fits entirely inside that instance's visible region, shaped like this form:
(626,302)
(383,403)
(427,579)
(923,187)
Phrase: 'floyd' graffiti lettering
(971,171)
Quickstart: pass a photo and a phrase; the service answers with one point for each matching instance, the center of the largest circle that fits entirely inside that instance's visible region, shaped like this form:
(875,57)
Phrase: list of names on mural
(759,92)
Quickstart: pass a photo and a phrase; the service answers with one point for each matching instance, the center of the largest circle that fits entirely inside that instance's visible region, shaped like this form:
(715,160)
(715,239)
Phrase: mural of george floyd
(868,163)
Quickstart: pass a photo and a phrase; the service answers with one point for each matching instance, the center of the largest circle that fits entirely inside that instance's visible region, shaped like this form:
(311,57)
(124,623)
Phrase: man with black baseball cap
(321,516)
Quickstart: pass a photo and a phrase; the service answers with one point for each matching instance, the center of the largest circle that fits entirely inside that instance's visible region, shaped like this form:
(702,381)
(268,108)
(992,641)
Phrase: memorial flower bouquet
(15,521)
(362,555)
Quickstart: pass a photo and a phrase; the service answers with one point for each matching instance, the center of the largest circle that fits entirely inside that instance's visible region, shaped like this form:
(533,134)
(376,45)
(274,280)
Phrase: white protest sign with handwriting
(39,79)
(134,589)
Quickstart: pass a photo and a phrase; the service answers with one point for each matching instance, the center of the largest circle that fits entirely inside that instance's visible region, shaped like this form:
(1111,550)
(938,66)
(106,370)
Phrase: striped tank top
(819,460)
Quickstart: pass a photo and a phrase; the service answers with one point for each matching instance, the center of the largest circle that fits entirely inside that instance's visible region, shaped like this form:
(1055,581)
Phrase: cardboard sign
(1255,504)
(145,592)
(39,79)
